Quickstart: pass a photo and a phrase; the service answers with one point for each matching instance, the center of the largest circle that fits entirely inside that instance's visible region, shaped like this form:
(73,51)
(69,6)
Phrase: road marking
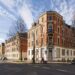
(42,67)
(65,71)
(61,70)
(46,68)
(32,73)
(36,66)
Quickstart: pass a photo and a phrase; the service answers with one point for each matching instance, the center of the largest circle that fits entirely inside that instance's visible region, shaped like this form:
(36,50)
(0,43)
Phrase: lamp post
(33,59)
(20,48)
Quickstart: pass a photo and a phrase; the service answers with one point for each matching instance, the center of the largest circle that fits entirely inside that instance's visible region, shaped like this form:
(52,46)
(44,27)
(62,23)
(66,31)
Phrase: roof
(50,12)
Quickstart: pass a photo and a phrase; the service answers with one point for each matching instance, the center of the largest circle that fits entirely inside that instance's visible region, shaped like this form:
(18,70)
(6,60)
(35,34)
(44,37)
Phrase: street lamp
(33,59)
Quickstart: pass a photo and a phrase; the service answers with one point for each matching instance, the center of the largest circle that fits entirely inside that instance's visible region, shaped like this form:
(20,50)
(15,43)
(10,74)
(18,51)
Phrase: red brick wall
(23,44)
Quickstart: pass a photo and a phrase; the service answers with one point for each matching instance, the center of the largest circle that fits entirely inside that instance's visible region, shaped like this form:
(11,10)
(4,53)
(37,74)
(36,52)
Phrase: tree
(18,26)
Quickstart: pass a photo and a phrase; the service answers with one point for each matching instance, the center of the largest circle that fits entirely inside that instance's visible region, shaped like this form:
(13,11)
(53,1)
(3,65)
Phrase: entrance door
(50,54)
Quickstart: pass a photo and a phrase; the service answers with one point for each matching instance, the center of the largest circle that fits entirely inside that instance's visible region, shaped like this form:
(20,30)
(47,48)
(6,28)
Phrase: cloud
(1,40)
(1,14)
(30,10)
(8,3)
(26,14)
(65,8)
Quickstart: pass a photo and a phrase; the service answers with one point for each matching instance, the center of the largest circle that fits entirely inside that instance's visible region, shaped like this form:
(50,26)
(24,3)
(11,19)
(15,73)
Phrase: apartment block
(51,39)
(16,47)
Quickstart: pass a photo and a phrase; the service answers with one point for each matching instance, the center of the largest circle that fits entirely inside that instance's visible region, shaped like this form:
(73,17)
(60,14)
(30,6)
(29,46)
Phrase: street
(36,69)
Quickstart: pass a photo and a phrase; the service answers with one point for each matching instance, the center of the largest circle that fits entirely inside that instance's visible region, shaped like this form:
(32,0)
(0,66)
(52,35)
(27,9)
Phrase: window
(62,42)
(42,42)
(49,38)
(58,52)
(42,19)
(29,52)
(13,43)
(33,52)
(29,44)
(49,27)
(28,35)
(32,43)
(50,30)
(67,52)
(13,49)
(50,41)
(50,49)
(74,53)
(71,52)
(58,41)
(36,34)
(63,52)
(36,42)
(33,35)
(62,33)
(37,51)
(14,55)
(58,20)
(50,18)
(58,30)
(46,52)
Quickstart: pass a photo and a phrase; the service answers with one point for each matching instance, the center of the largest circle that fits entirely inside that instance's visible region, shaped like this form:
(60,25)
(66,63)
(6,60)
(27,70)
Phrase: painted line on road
(62,70)
(43,67)
(46,68)
(65,71)
(36,66)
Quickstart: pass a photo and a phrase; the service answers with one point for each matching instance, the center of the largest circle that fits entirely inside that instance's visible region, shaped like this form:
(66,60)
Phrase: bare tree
(18,26)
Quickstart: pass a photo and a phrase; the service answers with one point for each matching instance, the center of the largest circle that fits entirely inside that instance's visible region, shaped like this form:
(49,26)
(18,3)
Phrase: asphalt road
(36,69)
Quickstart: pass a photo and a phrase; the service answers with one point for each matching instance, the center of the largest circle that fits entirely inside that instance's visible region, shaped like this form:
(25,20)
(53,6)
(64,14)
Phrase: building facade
(16,47)
(51,39)
(2,50)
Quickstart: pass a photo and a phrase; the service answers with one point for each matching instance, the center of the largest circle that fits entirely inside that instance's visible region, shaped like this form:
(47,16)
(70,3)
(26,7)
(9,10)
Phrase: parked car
(73,61)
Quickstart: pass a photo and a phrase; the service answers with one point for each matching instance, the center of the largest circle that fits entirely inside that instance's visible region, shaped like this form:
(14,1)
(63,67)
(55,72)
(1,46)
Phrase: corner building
(46,39)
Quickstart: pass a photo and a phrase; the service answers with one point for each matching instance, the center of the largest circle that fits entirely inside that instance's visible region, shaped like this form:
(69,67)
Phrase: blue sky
(30,10)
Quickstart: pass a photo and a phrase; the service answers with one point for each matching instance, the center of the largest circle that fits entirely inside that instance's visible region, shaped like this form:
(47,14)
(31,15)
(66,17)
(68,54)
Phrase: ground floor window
(74,53)
(58,52)
(29,52)
(46,52)
(63,52)
(67,52)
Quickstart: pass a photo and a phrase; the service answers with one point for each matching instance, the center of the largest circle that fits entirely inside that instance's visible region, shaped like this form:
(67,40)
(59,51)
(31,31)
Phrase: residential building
(16,47)
(2,50)
(51,39)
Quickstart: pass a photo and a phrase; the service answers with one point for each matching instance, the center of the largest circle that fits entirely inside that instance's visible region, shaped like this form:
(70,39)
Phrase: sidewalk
(16,62)
(60,62)
(27,62)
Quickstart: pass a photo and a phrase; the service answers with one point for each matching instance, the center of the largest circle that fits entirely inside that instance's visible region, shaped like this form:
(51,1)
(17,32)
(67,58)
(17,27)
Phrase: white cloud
(1,14)
(1,40)
(8,3)
(26,14)
(65,9)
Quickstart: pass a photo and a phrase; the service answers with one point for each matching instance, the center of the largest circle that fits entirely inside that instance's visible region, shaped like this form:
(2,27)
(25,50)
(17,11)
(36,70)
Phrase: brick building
(51,39)
(16,47)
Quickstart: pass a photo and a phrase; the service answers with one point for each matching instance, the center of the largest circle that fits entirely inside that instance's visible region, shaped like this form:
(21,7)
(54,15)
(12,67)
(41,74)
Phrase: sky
(30,10)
